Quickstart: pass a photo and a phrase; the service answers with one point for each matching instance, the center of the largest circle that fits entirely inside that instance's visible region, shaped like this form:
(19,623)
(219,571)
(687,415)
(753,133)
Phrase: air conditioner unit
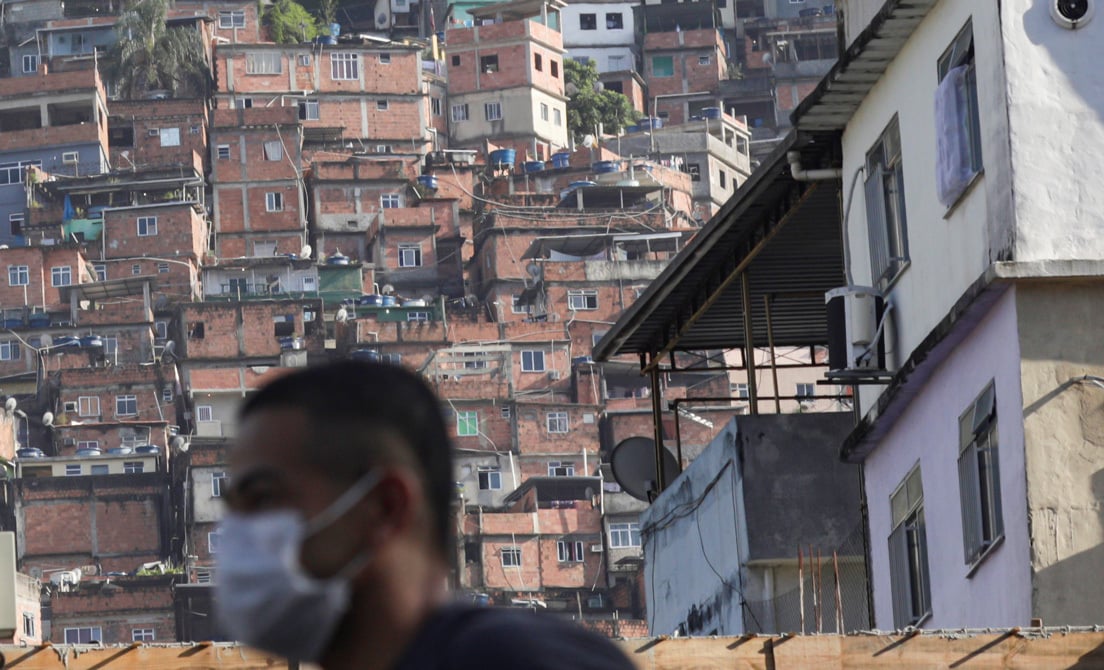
(855,331)
(554,375)
(596,548)
(70,158)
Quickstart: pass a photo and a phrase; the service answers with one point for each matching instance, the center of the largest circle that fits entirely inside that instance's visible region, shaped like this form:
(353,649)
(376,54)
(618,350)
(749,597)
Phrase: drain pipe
(801,174)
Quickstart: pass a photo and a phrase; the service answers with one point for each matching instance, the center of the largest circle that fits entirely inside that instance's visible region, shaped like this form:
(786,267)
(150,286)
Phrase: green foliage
(289,23)
(149,56)
(327,13)
(587,106)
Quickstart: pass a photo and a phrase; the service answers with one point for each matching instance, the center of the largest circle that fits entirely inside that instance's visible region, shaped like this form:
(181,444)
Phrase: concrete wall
(998,593)
(947,249)
(1063,426)
(206,507)
(574,36)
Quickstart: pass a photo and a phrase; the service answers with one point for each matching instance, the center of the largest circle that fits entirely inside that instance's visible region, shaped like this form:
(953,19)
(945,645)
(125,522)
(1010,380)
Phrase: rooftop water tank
(503,158)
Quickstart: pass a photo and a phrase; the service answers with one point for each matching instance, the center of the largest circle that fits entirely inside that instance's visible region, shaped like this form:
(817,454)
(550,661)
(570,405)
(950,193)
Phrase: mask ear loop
(343,504)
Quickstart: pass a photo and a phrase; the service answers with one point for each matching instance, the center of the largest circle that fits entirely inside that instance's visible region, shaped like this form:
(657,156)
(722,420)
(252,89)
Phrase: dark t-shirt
(463,637)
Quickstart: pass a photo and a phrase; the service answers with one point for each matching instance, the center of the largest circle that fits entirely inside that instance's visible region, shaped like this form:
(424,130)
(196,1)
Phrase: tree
(149,56)
(289,23)
(589,104)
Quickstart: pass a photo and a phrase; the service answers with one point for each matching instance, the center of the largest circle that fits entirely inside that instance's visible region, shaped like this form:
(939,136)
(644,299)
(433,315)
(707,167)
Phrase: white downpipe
(801,174)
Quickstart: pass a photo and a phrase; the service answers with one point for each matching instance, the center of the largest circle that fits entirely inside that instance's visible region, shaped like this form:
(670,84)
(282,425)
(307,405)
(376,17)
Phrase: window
(218,480)
(511,557)
(245,103)
(30,63)
(740,391)
(391,200)
(88,405)
(14,173)
(147,226)
(382,105)
(170,137)
(9,350)
(723,177)
(163,268)
(569,551)
(213,542)
(383,149)
(61,275)
(167,394)
(455,60)
(979,476)
(304,60)
(385,58)
(126,405)
(614,21)
(488,64)
(556,422)
(274,201)
(516,306)
(467,423)
(557,117)
(532,360)
(703,60)
(344,66)
(18,275)
(28,624)
(142,635)
(908,553)
(561,469)
(538,62)
(100,270)
(417,316)
(490,478)
(544,111)
(72,470)
(615,63)
(136,269)
(88,444)
(958,133)
(111,346)
(273,150)
(582,299)
(231,19)
(15,223)
(133,467)
(492,111)
(263,62)
(805,391)
(223,152)
(410,255)
(308,110)
(554,66)
(101,469)
(504,412)
(435,106)
(885,207)
(663,66)
(588,22)
(89,635)
(622,535)
(460,112)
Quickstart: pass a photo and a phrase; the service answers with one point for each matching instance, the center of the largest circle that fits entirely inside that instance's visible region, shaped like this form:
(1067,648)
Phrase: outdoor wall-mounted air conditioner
(855,332)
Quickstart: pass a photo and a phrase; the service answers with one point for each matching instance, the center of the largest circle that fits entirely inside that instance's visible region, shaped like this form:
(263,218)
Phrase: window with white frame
(383,105)
(244,103)
(147,226)
(15,223)
(61,275)
(544,111)
(703,60)
(417,316)
(88,444)
(223,152)
(273,150)
(624,535)
(231,19)
(88,405)
(214,541)
(133,467)
(274,201)
(126,405)
(569,551)
(467,423)
(205,413)
(30,63)
(167,394)
(136,269)
(492,111)
(163,268)
(561,469)
(410,255)
(308,110)
(304,60)
(28,625)
(111,345)
(490,478)
(885,207)
(908,553)
(101,271)
(957,121)
(805,391)
(979,476)
(460,112)
(19,275)
(264,62)
(582,299)
(516,306)
(84,635)
(435,106)
(532,360)
(218,481)
(556,422)
(12,174)
(73,470)
(511,557)
(142,635)
(391,200)
(9,350)
(385,57)
(740,391)
(344,66)
(557,117)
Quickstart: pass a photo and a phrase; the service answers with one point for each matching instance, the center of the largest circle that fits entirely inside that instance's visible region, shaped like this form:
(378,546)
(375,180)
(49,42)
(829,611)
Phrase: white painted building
(603,32)
(975,129)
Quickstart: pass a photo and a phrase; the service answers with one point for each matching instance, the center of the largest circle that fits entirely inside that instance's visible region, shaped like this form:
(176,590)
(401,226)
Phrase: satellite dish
(180,444)
(534,270)
(48,419)
(9,405)
(169,350)
(588,141)
(342,315)
(306,251)
(633,462)
(387,289)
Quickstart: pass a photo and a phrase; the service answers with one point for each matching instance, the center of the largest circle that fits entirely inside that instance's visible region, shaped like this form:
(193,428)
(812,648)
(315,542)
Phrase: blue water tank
(503,158)
(561,160)
(148,449)
(602,167)
(651,123)
(388,301)
(711,112)
(429,181)
(337,259)
(370,300)
(534,166)
(91,342)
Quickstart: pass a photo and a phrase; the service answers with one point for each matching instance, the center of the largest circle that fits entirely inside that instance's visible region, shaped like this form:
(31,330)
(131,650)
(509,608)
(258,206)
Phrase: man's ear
(391,509)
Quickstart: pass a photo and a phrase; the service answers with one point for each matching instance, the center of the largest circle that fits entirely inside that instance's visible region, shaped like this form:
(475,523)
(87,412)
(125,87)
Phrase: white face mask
(264,597)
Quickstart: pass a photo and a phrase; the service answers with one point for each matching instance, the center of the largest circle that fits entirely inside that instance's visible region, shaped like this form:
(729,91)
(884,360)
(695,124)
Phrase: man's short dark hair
(364,414)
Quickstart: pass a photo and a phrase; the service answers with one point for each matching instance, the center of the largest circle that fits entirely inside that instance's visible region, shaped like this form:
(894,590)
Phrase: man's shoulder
(474,637)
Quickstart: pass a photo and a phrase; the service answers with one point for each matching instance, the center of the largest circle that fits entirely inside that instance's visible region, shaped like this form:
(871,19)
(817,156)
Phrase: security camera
(1072,14)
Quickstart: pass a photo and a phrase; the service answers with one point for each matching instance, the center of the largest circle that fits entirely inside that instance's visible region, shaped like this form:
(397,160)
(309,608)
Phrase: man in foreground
(337,543)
